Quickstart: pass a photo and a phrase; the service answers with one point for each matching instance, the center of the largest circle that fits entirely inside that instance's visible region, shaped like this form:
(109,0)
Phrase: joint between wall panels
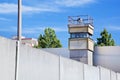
(99,74)
(83,72)
(116,77)
(110,75)
(59,70)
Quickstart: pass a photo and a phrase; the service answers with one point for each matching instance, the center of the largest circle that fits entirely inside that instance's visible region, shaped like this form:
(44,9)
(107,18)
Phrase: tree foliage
(48,39)
(105,39)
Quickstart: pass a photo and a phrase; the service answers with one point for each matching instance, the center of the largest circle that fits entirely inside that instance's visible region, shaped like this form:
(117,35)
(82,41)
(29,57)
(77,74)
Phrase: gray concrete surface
(64,52)
(118,76)
(70,69)
(104,74)
(113,75)
(91,73)
(35,64)
(108,57)
(7,59)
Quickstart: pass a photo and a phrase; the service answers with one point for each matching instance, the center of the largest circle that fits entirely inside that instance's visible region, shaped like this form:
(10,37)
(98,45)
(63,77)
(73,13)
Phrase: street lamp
(19,26)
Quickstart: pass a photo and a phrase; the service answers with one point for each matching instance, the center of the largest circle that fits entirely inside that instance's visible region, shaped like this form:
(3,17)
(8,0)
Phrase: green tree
(48,39)
(105,39)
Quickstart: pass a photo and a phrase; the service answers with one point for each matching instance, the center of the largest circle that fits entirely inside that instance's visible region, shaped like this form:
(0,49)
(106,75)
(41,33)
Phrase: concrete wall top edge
(107,50)
(37,51)
(74,61)
(3,38)
(96,67)
(107,46)
(64,52)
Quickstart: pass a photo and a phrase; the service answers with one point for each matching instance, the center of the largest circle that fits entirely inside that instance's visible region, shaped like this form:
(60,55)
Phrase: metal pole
(18,38)
(19,19)
(17,59)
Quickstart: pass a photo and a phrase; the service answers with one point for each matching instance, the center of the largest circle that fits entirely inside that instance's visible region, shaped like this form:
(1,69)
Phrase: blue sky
(39,14)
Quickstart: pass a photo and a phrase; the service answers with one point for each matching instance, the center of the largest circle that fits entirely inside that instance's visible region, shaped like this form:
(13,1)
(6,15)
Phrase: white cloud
(8,8)
(73,3)
(12,8)
(8,29)
(60,29)
(43,6)
(114,28)
(35,30)
(39,9)
(4,19)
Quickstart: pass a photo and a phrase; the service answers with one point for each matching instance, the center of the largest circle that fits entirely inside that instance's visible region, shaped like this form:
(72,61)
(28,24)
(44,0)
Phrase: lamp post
(19,26)
(19,20)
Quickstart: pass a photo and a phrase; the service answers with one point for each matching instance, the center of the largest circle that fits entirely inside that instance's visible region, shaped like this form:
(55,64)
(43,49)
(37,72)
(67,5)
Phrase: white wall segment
(113,75)
(104,74)
(70,69)
(7,59)
(118,76)
(35,64)
(91,73)
(108,57)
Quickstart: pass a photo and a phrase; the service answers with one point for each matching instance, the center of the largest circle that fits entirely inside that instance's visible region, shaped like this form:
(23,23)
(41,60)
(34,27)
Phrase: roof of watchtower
(80,20)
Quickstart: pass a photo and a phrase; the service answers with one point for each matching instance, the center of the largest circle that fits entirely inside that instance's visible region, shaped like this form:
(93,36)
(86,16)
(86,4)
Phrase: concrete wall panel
(108,57)
(91,73)
(35,64)
(7,59)
(118,76)
(113,75)
(78,44)
(104,74)
(90,58)
(70,69)
(64,52)
(90,44)
(78,29)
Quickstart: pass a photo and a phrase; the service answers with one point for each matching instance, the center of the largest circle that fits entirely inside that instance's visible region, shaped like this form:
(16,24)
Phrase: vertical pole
(18,38)
(17,59)
(19,19)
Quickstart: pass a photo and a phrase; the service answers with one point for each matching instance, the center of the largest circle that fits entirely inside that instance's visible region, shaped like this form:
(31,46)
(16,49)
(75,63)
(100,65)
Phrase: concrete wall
(90,44)
(36,64)
(79,55)
(70,69)
(80,43)
(7,59)
(91,73)
(79,28)
(64,52)
(108,57)
(113,75)
(118,76)
(104,74)
(84,56)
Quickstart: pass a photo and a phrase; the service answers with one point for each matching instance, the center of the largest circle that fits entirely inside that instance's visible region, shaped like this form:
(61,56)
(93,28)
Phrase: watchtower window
(79,35)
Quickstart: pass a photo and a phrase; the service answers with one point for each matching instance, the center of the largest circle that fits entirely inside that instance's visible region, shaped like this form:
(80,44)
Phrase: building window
(80,35)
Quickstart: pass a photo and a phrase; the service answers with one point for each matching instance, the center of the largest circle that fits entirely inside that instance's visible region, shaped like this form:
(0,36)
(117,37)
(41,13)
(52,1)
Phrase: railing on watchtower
(80,20)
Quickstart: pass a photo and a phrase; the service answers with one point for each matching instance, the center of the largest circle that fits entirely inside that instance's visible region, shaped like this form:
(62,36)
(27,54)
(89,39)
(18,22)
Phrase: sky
(40,14)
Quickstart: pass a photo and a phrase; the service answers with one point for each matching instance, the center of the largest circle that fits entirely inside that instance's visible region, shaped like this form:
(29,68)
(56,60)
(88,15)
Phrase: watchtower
(81,45)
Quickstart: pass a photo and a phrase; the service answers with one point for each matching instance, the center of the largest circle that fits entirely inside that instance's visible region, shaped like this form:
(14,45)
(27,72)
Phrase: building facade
(27,41)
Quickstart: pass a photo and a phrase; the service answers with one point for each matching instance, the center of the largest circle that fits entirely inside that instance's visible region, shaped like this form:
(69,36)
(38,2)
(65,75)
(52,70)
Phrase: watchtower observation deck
(82,23)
